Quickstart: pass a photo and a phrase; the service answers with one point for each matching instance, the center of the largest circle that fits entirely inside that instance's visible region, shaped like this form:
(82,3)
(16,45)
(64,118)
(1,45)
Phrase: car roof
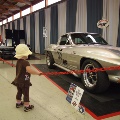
(80,33)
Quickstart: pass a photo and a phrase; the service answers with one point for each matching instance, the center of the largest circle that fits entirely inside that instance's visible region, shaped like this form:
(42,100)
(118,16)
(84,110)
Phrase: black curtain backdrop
(1,31)
(94,14)
(24,23)
(8,25)
(18,24)
(54,25)
(41,25)
(13,25)
(32,31)
(24,27)
(118,40)
(71,15)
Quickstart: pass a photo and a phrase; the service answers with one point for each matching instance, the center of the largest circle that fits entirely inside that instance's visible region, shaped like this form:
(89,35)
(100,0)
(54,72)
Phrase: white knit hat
(22,50)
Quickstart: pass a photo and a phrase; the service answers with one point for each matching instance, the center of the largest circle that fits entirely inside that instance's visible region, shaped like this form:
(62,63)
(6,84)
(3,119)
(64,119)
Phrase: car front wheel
(49,60)
(94,82)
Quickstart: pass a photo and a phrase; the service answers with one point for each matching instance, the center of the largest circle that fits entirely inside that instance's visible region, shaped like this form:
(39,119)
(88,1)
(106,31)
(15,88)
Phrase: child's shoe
(30,107)
(18,105)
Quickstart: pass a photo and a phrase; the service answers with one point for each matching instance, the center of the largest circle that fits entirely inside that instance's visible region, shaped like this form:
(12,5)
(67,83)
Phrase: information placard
(74,96)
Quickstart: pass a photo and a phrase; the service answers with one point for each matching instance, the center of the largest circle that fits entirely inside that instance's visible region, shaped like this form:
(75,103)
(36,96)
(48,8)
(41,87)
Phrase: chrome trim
(66,69)
(114,78)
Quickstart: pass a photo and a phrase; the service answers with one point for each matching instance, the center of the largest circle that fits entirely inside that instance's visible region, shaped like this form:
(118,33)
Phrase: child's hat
(21,51)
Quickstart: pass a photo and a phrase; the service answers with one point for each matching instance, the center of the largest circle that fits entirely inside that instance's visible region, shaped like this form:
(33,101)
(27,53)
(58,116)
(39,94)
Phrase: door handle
(60,49)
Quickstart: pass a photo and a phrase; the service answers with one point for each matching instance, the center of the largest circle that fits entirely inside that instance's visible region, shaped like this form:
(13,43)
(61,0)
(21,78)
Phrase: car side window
(78,41)
(88,40)
(64,40)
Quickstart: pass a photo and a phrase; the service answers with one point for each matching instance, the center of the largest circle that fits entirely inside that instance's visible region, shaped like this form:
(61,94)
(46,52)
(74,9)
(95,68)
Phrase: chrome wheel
(90,78)
(48,60)
(94,82)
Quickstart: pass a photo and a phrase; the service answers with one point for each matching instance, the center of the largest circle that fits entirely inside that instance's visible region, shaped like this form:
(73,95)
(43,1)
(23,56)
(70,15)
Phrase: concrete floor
(49,101)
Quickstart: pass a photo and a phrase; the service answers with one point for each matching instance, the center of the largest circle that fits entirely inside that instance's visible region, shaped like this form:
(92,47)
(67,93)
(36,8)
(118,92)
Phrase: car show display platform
(100,105)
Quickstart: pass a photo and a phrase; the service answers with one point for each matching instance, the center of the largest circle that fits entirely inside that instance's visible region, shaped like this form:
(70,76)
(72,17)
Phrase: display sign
(44,32)
(74,97)
(102,23)
(71,92)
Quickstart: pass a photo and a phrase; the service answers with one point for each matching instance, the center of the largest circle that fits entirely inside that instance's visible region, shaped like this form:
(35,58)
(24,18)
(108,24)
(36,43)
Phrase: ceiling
(11,7)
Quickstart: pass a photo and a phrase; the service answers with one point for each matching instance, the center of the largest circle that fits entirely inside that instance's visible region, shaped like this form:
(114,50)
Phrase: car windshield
(85,38)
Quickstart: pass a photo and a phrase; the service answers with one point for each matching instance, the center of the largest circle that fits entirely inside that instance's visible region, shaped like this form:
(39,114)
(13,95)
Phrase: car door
(64,51)
(73,58)
(59,50)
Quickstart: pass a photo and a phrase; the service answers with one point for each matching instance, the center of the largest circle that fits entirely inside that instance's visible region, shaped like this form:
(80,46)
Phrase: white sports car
(81,51)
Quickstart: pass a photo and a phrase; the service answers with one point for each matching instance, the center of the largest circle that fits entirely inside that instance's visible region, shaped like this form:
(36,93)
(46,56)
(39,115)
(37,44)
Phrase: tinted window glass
(86,38)
(64,41)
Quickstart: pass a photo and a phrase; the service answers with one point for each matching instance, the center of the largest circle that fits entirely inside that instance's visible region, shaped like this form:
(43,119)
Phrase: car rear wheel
(50,60)
(94,82)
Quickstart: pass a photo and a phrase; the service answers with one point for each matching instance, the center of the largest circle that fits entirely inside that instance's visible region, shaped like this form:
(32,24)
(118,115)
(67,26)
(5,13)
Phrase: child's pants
(24,91)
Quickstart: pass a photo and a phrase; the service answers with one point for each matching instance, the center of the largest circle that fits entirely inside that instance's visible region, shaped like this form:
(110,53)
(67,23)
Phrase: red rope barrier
(7,62)
(82,71)
(76,71)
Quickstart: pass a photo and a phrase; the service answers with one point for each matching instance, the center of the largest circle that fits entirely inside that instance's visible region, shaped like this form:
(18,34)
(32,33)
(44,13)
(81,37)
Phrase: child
(22,79)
